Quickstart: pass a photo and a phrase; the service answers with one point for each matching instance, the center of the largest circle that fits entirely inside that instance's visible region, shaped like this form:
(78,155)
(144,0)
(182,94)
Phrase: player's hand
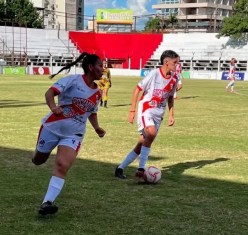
(100,132)
(171,121)
(131,117)
(57,110)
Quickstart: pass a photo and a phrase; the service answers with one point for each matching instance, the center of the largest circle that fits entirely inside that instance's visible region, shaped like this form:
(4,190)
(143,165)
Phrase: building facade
(192,14)
(61,14)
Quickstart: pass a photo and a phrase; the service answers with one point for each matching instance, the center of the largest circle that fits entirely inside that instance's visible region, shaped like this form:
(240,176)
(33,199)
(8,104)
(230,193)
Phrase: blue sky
(139,7)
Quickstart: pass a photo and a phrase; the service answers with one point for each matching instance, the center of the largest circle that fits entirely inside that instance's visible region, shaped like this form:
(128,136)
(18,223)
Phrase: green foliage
(172,20)
(20,12)
(237,24)
(203,158)
(153,25)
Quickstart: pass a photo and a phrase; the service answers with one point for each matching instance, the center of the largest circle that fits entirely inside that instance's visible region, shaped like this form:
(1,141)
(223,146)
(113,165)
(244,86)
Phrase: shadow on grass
(118,105)
(93,201)
(188,97)
(18,103)
(175,171)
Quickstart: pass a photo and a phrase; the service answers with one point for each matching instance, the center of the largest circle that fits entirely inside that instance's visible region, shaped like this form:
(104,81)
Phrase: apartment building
(63,14)
(192,14)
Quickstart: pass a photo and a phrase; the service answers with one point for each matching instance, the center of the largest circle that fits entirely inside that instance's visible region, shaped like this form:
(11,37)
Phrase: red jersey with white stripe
(232,72)
(78,101)
(157,90)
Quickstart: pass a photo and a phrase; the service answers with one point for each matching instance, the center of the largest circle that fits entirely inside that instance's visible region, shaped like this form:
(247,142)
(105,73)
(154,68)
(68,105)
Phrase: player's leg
(105,95)
(232,86)
(46,142)
(66,154)
(149,134)
(130,157)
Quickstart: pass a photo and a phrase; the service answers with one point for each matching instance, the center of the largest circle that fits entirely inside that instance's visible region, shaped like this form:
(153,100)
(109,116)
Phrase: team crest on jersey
(68,111)
(41,142)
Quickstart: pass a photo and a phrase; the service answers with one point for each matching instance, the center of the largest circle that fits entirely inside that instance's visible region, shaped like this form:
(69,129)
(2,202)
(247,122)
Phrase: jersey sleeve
(145,83)
(63,84)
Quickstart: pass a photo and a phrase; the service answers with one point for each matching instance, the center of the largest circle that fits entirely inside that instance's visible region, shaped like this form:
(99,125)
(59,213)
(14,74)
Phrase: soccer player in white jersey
(64,127)
(179,76)
(157,89)
(231,76)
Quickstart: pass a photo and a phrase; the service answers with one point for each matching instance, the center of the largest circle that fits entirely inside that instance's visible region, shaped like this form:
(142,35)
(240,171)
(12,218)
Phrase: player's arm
(132,111)
(49,95)
(171,120)
(94,122)
(179,86)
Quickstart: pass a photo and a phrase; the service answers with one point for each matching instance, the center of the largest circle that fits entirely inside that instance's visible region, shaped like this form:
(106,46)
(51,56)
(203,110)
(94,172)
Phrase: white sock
(144,154)
(55,186)
(128,160)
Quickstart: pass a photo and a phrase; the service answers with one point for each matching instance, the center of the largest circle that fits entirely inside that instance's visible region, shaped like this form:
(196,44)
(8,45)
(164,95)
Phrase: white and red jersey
(157,89)
(178,69)
(231,74)
(178,73)
(78,101)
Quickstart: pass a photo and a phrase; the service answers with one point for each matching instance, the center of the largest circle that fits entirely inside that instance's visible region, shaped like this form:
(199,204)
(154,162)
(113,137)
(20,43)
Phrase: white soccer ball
(152,175)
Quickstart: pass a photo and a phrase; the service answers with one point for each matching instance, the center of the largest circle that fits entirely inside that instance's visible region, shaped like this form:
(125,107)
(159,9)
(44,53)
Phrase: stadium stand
(35,47)
(118,46)
(202,51)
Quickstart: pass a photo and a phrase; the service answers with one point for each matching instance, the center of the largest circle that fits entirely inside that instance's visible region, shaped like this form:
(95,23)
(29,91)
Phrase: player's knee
(40,158)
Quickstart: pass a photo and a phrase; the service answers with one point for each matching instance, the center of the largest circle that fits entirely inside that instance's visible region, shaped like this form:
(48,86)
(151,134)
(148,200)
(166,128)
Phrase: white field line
(103,123)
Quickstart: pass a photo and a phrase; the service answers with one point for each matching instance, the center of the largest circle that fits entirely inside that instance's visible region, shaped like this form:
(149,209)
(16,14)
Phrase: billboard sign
(144,72)
(238,76)
(114,16)
(14,70)
(41,70)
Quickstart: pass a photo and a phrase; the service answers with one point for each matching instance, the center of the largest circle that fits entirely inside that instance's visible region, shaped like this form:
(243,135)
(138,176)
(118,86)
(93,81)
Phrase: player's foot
(140,173)
(48,208)
(119,173)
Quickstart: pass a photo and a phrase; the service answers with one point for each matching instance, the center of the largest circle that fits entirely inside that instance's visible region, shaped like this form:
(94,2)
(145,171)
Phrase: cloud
(98,3)
(114,4)
(138,6)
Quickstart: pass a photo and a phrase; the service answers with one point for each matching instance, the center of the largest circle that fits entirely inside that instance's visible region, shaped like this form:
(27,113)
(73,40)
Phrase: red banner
(41,70)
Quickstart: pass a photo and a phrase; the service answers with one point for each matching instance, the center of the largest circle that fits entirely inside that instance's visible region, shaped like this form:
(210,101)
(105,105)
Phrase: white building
(197,13)
(63,14)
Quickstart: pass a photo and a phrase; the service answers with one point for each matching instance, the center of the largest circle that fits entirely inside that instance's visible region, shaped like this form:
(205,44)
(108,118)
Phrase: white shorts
(145,121)
(47,141)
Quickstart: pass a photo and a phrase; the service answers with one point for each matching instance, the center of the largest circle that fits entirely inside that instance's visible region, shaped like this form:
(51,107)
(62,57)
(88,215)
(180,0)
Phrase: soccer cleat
(140,173)
(48,208)
(119,173)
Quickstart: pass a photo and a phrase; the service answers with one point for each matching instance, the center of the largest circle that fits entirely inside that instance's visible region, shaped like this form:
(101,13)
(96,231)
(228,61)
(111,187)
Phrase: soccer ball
(152,175)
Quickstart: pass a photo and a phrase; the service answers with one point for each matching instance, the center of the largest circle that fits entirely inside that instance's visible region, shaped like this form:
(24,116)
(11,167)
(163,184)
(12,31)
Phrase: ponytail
(68,66)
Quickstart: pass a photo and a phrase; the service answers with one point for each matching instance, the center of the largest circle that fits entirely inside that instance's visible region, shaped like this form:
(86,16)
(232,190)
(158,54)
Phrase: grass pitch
(203,158)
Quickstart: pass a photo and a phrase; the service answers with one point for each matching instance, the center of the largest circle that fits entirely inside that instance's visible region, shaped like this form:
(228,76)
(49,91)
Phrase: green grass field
(203,158)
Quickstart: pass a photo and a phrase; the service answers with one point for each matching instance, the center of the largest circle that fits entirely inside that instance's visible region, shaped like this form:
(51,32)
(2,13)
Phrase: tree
(20,12)
(172,20)
(153,25)
(237,24)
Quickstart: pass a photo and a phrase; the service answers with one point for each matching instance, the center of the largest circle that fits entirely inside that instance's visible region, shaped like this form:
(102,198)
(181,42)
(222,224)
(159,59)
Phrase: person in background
(231,76)
(105,83)
(179,76)
(157,89)
(64,127)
